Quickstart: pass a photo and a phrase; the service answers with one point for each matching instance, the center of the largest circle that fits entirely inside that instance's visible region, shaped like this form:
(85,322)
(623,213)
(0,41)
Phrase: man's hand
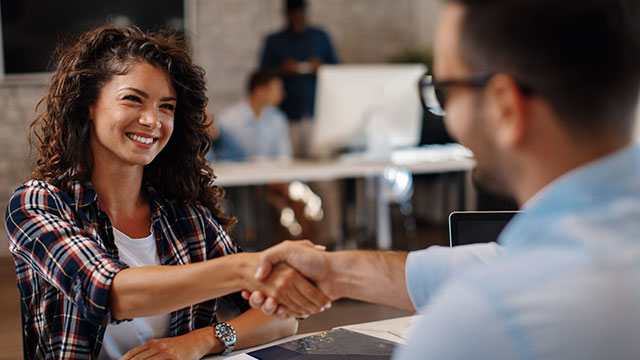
(308,259)
(315,64)
(193,345)
(290,67)
(284,285)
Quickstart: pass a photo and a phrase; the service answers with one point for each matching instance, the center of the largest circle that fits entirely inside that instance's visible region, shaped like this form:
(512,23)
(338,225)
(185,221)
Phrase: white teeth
(140,139)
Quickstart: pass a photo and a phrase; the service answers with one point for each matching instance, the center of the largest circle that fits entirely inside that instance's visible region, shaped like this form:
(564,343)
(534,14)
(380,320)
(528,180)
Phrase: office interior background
(227,37)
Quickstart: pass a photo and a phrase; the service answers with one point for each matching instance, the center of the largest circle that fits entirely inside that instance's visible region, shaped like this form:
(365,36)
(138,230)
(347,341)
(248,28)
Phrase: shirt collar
(84,195)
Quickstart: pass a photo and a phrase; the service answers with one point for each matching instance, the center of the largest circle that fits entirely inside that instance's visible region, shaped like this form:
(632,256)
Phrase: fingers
(282,252)
(297,293)
(270,306)
(257,299)
(140,353)
(316,298)
(270,257)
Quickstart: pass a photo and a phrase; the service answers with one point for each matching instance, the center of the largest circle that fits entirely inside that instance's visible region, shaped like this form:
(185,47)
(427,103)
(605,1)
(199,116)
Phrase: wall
(227,40)
(230,33)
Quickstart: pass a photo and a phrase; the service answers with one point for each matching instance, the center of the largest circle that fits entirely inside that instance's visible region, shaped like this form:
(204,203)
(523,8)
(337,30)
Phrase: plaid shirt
(66,259)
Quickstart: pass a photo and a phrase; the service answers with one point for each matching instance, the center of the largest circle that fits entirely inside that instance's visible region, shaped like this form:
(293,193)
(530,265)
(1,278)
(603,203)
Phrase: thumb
(267,259)
(264,267)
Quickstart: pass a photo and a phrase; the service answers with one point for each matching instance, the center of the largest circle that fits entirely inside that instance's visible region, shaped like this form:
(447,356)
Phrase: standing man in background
(296,53)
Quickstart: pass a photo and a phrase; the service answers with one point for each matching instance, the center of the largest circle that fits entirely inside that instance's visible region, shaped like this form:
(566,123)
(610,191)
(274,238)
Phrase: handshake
(292,279)
(298,278)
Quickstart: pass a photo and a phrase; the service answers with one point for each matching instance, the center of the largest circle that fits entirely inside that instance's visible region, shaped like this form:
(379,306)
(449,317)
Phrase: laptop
(471,227)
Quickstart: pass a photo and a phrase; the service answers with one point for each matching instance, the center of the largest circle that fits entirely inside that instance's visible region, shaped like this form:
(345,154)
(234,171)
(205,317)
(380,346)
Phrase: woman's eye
(132,98)
(170,107)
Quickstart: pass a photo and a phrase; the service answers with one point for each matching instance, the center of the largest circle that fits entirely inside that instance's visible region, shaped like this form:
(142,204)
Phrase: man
(296,53)
(544,93)
(255,124)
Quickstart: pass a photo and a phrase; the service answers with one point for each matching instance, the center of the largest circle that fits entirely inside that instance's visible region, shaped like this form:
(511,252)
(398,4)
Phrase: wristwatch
(227,336)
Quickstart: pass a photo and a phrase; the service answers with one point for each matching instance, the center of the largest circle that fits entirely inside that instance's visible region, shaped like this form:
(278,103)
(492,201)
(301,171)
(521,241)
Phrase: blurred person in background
(255,123)
(295,53)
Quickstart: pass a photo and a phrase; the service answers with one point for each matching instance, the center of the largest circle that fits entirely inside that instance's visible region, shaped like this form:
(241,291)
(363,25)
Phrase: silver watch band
(227,336)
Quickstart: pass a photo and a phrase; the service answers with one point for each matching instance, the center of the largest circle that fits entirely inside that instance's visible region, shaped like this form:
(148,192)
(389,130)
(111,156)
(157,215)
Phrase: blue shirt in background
(300,90)
(262,137)
(564,283)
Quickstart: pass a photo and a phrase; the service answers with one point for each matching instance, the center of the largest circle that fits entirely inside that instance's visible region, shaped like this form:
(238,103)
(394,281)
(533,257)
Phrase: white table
(395,330)
(431,159)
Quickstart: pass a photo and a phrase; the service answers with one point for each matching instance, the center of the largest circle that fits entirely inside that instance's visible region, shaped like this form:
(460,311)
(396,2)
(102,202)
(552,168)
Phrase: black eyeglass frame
(476,80)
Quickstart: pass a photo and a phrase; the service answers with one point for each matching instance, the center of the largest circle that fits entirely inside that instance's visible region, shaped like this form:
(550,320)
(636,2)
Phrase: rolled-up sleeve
(427,270)
(44,232)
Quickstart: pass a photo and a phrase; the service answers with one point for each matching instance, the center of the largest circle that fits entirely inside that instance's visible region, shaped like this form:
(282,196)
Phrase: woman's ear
(91,111)
(506,105)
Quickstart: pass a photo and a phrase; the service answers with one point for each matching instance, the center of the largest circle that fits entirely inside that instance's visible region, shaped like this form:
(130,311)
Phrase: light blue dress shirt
(563,284)
(263,137)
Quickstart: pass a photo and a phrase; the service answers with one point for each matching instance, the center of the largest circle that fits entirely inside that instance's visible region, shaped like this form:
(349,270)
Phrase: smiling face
(133,117)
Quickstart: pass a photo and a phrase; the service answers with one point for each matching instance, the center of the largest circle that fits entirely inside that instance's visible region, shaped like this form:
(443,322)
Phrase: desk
(395,330)
(431,159)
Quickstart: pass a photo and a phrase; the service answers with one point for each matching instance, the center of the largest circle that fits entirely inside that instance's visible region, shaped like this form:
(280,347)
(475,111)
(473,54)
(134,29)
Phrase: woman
(120,187)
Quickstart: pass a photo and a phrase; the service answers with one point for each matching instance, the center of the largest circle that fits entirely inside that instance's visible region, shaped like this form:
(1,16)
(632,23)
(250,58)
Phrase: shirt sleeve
(268,58)
(427,270)
(330,56)
(459,324)
(43,231)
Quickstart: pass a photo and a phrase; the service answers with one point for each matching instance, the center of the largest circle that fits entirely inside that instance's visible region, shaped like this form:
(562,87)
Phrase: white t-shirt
(122,337)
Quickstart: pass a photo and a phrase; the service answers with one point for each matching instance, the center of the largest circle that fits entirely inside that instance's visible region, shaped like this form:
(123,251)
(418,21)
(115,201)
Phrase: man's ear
(506,110)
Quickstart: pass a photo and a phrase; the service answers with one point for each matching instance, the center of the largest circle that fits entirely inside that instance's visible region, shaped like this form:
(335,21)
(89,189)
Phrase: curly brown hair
(180,171)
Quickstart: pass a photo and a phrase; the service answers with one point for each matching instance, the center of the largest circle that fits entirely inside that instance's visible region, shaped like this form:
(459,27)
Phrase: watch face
(226,332)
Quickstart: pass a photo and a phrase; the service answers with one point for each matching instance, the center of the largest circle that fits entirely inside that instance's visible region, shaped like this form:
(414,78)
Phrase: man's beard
(490,173)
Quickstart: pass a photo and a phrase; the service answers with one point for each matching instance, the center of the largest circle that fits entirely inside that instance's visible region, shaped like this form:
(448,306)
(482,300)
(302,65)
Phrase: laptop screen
(471,227)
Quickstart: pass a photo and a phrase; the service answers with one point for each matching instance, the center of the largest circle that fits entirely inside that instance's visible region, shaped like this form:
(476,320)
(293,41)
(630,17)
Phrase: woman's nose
(150,119)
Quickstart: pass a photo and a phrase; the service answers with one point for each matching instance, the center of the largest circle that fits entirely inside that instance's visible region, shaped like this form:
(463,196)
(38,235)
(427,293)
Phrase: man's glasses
(433,94)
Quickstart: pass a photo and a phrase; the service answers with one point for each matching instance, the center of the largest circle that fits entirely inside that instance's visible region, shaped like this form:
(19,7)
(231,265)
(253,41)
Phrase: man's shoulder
(317,30)
(276,35)
(275,114)
(238,110)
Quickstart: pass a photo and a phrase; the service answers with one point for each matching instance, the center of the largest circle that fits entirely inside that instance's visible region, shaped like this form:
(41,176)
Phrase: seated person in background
(255,123)
(119,243)
(224,146)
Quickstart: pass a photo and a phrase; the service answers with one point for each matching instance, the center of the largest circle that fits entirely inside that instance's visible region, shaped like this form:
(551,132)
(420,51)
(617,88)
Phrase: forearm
(154,290)
(371,276)
(255,328)
(252,328)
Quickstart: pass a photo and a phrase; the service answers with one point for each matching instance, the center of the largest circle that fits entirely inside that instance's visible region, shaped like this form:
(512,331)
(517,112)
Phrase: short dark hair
(260,77)
(294,5)
(582,56)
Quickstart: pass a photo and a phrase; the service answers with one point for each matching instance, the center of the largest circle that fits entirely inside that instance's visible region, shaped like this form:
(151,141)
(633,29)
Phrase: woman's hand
(193,345)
